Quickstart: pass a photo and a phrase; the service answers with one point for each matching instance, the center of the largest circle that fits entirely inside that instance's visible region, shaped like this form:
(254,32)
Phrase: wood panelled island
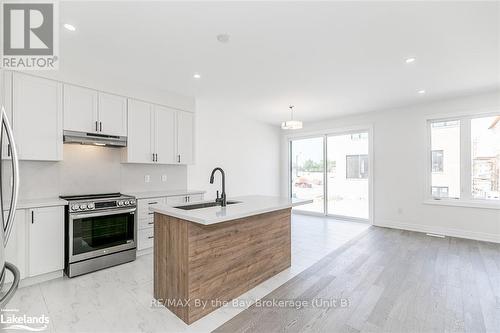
(207,256)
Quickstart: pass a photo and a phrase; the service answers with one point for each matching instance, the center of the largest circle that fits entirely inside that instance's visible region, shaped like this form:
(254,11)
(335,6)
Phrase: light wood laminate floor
(395,281)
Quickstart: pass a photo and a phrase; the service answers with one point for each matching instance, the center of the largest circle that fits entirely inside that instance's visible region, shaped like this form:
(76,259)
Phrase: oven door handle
(108,212)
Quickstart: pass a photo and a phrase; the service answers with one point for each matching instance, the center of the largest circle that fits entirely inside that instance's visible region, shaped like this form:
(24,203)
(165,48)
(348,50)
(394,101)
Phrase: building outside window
(437,160)
(477,139)
(357,166)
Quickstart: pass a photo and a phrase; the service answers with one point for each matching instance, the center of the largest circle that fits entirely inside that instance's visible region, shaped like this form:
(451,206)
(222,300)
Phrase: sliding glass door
(306,172)
(336,165)
(347,176)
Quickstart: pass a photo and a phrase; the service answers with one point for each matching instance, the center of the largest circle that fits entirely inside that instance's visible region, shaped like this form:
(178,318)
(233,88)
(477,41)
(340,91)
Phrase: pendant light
(291,124)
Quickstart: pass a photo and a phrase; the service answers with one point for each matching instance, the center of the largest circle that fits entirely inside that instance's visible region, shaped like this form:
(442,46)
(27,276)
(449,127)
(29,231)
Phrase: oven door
(95,234)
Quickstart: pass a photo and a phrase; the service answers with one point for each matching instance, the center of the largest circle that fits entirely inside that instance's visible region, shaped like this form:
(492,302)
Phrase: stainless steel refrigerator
(8,212)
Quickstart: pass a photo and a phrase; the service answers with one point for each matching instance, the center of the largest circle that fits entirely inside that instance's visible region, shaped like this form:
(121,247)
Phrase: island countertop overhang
(246,206)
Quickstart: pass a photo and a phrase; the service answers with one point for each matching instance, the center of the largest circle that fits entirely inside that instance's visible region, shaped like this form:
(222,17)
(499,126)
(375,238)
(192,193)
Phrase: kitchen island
(206,256)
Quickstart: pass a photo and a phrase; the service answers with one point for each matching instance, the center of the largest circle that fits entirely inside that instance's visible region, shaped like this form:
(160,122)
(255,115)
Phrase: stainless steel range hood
(94,139)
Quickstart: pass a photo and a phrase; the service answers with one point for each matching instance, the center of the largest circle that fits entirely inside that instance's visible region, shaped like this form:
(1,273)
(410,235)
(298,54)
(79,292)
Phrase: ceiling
(326,58)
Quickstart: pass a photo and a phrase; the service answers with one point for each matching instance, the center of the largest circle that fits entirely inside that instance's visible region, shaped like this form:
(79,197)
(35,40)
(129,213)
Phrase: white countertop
(36,203)
(158,194)
(248,206)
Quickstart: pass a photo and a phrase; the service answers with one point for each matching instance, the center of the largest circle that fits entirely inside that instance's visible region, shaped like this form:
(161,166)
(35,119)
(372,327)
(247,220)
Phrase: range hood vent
(94,139)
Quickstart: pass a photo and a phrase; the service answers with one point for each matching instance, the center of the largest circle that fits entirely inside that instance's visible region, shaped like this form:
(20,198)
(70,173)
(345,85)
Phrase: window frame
(466,199)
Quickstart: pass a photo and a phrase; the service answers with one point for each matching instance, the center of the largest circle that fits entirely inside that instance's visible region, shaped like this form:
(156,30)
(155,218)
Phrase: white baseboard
(451,232)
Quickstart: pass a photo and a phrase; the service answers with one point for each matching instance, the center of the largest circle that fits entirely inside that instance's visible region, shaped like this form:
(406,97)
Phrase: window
(445,141)
(471,169)
(485,155)
(439,192)
(437,160)
(357,166)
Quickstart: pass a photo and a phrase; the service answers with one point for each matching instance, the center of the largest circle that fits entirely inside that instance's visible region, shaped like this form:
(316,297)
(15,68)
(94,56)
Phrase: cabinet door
(15,251)
(185,133)
(140,133)
(37,118)
(165,134)
(46,240)
(80,109)
(6,102)
(176,200)
(112,114)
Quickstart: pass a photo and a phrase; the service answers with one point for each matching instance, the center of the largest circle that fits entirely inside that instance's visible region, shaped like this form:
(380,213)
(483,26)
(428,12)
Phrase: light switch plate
(163,178)
(147,178)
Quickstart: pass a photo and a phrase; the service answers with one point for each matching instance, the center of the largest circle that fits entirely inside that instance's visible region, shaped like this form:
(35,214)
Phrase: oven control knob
(127,203)
(75,207)
(120,203)
(90,206)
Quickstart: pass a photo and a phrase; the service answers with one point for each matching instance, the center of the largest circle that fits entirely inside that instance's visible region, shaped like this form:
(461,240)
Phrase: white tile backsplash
(92,169)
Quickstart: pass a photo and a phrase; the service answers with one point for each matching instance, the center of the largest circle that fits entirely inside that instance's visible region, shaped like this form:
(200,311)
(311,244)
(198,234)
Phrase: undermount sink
(205,205)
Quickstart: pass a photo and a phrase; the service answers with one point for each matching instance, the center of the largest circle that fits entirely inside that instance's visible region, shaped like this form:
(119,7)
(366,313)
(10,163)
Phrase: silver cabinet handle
(4,122)
(96,126)
(178,158)
(151,237)
(153,157)
(151,223)
(100,126)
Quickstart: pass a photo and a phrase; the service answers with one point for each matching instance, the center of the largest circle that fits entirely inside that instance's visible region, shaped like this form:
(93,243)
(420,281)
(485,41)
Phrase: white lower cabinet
(46,240)
(36,242)
(15,251)
(145,218)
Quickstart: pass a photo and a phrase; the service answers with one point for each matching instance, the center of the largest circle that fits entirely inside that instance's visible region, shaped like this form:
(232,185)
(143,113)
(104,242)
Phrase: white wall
(400,168)
(247,150)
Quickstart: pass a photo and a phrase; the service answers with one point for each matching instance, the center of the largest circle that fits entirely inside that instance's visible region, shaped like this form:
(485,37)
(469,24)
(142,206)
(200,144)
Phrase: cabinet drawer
(146,222)
(143,206)
(145,238)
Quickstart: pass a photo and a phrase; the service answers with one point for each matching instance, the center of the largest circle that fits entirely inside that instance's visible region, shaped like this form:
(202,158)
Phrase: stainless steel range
(100,232)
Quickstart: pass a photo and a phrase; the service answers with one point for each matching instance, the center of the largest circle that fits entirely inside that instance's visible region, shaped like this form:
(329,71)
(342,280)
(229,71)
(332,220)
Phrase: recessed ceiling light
(69,27)
(223,38)
(421,92)
(410,60)
(196,76)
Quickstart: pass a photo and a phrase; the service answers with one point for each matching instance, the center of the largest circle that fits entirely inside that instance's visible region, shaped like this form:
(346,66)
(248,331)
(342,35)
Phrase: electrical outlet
(163,178)
(147,178)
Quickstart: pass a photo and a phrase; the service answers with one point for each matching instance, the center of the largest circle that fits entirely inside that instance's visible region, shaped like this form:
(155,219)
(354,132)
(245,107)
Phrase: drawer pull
(152,203)
(151,223)
(151,237)
(151,213)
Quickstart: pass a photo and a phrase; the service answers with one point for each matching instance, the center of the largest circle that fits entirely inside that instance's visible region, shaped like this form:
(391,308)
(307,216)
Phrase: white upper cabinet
(140,134)
(80,109)
(158,134)
(164,135)
(112,114)
(185,137)
(90,111)
(37,117)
